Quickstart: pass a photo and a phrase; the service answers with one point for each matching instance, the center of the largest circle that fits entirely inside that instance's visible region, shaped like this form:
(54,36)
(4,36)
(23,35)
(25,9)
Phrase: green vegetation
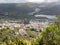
(8,37)
(58,22)
(49,36)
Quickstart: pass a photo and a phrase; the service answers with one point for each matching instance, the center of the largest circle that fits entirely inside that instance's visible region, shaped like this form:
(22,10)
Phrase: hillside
(28,10)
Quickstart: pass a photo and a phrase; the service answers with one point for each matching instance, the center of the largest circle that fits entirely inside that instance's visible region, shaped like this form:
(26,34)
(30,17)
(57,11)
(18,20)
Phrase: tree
(50,36)
(57,22)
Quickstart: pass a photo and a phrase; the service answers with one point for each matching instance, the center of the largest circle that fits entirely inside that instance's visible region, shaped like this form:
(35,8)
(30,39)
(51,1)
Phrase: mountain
(51,9)
(28,10)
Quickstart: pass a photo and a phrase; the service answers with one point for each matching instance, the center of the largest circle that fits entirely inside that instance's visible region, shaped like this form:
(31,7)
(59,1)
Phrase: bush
(50,36)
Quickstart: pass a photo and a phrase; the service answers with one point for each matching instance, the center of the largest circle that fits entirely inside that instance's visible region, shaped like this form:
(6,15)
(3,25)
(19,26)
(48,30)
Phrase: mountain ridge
(22,10)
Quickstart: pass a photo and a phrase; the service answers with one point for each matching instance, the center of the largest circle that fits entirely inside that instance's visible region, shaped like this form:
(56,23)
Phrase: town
(22,28)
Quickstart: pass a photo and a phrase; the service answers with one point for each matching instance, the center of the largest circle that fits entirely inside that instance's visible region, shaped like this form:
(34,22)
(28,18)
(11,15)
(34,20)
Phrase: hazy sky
(19,1)
(43,0)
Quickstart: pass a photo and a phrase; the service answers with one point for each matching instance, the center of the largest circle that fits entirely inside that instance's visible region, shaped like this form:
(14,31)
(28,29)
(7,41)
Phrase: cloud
(36,0)
(19,1)
(43,0)
(52,0)
(12,1)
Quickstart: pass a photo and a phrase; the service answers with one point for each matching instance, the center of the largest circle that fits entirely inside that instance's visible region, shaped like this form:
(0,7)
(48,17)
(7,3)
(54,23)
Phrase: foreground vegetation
(50,36)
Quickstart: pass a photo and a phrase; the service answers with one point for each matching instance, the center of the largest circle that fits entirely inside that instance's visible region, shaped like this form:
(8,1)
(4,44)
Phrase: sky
(20,1)
(43,0)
